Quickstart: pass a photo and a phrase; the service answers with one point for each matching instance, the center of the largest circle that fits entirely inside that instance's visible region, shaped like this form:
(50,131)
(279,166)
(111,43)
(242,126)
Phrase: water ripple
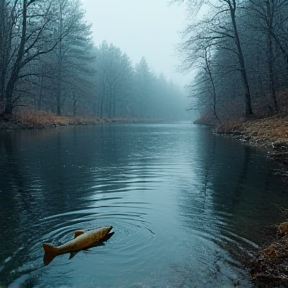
(183,205)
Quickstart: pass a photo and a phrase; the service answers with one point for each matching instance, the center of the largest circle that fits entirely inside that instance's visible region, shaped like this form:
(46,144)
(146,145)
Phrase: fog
(141,28)
(112,68)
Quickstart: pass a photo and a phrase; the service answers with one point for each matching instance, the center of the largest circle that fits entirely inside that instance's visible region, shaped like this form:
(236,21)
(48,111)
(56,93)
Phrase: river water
(186,205)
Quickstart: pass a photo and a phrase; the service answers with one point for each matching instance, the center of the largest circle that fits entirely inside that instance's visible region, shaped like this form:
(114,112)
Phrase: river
(186,205)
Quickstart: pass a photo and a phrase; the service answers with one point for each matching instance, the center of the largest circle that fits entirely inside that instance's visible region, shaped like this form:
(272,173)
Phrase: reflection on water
(185,205)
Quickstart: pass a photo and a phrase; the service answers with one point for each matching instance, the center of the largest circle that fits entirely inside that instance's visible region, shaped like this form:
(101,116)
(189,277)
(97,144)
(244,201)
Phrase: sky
(141,28)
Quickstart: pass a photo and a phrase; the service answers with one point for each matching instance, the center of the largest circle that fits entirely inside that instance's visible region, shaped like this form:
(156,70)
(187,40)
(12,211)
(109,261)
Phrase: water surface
(186,205)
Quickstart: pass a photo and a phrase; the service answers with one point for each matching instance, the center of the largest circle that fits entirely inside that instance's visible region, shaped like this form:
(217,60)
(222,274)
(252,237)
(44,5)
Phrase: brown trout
(82,240)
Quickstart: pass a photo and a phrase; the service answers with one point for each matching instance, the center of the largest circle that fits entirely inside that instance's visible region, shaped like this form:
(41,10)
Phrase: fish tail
(50,253)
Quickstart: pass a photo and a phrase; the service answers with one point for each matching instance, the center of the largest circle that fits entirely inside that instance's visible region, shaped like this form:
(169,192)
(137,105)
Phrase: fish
(82,240)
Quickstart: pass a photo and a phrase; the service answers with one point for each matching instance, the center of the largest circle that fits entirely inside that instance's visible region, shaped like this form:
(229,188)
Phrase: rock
(283,228)
(237,133)
(254,133)
(280,145)
(271,263)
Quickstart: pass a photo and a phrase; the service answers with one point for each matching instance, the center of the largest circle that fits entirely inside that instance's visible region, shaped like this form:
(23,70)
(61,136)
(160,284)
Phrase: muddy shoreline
(12,126)
(268,134)
(32,119)
(269,265)
(29,120)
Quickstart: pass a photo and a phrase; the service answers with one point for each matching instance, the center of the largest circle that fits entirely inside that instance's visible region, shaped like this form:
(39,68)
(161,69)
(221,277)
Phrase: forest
(240,52)
(48,62)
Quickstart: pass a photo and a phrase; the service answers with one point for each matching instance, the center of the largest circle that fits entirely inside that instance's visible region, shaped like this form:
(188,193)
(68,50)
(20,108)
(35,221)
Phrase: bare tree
(72,52)
(7,36)
(217,31)
(232,8)
(30,20)
(272,21)
(209,72)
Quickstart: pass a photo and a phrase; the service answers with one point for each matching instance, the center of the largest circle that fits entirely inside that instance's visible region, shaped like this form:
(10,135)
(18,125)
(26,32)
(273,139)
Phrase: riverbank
(32,119)
(27,119)
(269,266)
(270,134)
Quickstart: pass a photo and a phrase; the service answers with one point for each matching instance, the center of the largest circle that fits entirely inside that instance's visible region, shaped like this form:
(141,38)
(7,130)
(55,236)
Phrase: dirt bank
(270,134)
(32,119)
(269,267)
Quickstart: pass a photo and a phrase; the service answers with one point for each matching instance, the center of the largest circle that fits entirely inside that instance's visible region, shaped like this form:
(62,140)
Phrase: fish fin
(50,253)
(72,254)
(78,233)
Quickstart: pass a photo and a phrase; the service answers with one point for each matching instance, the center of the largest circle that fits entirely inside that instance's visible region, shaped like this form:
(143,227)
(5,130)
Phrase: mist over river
(186,205)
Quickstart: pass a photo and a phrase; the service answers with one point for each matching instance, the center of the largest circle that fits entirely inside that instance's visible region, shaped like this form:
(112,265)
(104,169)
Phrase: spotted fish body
(82,240)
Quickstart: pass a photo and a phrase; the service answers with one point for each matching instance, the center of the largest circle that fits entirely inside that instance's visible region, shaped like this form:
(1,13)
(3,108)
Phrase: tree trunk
(59,79)
(213,86)
(58,100)
(2,33)
(282,48)
(271,74)
(39,106)
(102,102)
(2,84)
(17,65)
(248,107)
(271,57)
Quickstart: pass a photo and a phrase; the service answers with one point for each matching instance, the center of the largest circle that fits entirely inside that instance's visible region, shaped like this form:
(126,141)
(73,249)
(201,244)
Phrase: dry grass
(270,133)
(28,118)
(274,128)
(39,118)
(271,263)
(24,118)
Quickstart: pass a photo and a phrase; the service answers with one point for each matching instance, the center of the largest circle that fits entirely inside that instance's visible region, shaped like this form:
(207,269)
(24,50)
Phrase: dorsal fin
(78,233)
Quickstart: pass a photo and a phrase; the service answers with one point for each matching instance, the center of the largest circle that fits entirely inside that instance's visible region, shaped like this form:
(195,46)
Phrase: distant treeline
(240,50)
(48,62)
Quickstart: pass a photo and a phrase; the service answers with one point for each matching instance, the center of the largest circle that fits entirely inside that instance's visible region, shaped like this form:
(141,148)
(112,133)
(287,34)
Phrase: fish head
(106,234)
(109,228)
(102,232)
(106,230)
